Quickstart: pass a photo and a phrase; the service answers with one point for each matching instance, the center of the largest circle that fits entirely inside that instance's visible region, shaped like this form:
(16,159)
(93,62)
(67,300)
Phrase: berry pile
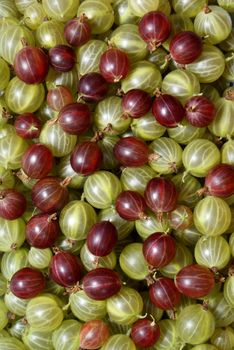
(116,175)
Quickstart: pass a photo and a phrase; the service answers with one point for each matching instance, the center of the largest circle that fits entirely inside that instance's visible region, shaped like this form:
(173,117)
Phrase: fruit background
(116,175)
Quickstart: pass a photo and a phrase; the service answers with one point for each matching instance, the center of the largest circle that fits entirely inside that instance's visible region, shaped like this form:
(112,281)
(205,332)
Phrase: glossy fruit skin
(93,334)
(62,58)
(185,47)
(167,110)
(92,87)
(159,249)
(161,195)
(86,157)
(219,181)
(102,238)
(37,161)
(195,325)
(65,269)
(59,97)
(130,205)
(212,216)
(200,111)
(31,65)
(77,31)
(50,194)
(145,333)
(75,118)
(154,28)
(28,126)
(195,281)
(42,230)
(136,103)
(101,283)
(131,151)
(27,283)
(114,65)
(181,218)
(12,204)
(164,294)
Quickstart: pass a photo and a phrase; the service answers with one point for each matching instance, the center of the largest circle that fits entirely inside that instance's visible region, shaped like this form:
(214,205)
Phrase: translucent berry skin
(92,87)
(42,230)
(27,283)
(62,58)
(185,47)
(195,281)
(154,28)
(101,283)
(31,65)
(200,111)
(136,103)
(93,334)
(161,195)
(181,218)
(37,161)
(59,97)
(102,238)
(28,126)
(12,204)
(75,118)
(159,249)
(77,31)
(130,205)
(114,65)
(86,157)
(131,151)
(220,180)
(164,294)
(65,269)
(145,333)
(167,110)
(50,194)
